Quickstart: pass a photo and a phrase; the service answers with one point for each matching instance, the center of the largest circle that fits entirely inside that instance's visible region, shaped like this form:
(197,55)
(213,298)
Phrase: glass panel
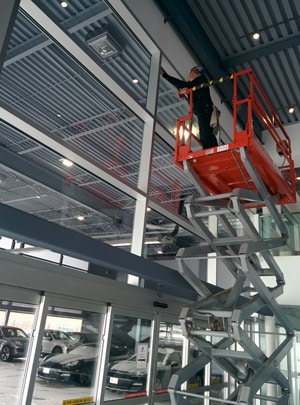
(128,368)
(107,40)
(74,106)
(170,106)
(292,222)
(169,184)
(164,237)
(16,324)
(69,356)
(169,358)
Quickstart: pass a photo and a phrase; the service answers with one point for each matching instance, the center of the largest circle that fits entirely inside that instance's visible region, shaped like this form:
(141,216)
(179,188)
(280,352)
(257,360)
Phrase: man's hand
(183,92)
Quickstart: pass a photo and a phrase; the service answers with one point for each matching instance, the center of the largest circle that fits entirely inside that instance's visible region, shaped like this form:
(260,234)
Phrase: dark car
(13,343)
(126,376)
(76,366)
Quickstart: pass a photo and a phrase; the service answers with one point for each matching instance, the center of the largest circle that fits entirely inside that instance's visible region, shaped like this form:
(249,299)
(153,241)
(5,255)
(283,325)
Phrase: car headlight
(139,373)
(72,364)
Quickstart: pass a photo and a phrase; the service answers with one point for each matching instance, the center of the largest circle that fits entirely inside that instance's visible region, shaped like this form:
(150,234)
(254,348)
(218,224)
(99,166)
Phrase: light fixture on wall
(104,45)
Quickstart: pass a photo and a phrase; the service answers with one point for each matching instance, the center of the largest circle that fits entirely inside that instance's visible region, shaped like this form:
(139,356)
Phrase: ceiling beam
(35,231)
(262,50)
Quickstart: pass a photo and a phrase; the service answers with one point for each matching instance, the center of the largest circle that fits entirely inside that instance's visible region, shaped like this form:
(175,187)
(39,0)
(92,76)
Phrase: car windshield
(60,335)
(90,350)
(13,332)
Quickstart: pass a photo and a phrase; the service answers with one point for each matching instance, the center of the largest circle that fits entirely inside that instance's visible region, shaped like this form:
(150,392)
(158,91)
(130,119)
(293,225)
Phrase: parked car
(57,341)
(84,337)
(76,366)
(125,376)
(13,342)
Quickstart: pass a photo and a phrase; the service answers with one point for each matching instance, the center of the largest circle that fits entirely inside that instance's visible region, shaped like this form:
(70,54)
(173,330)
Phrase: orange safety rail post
(221,169)
(258,103)
(184,134)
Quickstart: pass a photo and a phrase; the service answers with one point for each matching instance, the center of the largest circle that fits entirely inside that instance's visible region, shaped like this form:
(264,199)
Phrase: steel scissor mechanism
(233,181)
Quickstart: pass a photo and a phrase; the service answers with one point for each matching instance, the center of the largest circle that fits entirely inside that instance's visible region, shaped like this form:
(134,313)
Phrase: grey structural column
(8,12)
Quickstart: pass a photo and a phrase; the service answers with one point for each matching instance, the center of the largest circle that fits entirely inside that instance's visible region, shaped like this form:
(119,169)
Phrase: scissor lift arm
(230,180)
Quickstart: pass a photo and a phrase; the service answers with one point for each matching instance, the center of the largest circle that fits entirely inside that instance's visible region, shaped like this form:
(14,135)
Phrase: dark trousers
(207,137)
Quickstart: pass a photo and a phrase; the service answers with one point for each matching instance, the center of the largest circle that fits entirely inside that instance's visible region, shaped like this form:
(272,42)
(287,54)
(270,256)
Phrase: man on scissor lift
(202,102)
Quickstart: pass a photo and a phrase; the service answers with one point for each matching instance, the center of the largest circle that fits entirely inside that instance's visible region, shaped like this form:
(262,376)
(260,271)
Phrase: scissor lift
(233,180)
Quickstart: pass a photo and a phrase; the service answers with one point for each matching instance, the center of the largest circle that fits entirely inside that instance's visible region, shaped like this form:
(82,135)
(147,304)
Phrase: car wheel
(6,354)
(57,350)
(84,378)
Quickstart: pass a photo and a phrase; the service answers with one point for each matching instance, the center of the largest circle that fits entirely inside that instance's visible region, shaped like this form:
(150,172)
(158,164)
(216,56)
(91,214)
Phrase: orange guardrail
(221,168)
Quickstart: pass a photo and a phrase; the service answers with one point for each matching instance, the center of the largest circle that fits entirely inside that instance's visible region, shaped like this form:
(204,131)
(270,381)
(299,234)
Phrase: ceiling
(220,33)
(53,105)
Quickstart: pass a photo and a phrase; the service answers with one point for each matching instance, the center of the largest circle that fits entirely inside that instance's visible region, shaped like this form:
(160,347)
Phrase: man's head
(196,71)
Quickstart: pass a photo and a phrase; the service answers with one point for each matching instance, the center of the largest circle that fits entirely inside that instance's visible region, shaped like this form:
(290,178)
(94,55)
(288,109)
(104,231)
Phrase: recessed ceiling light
(80,218)
(298,178)
(64,4)
(148,209)
(135,81)
(105,45)
(256,36)
(291,110)
(67,162)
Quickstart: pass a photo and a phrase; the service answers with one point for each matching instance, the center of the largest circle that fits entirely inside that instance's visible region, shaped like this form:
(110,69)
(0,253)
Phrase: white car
(56,342)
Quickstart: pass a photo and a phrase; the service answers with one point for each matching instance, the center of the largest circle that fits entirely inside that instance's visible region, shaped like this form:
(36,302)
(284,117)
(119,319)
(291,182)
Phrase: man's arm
(180,84)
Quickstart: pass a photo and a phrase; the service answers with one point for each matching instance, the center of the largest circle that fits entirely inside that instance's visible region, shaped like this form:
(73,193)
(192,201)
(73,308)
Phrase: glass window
(129,354)
(69,356)
(169,358)
(14,341)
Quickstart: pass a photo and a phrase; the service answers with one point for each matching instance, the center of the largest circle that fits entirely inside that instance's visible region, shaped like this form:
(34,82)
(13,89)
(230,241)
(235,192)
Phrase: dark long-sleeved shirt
(201,96)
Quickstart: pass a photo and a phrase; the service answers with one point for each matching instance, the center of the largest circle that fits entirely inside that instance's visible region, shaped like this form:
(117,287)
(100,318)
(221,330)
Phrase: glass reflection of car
(84,337)
(13,343)
(126,376)
(57,341)
(76,366)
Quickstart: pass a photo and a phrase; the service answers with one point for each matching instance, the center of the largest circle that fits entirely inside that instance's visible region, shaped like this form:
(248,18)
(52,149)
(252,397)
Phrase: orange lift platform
(244,163)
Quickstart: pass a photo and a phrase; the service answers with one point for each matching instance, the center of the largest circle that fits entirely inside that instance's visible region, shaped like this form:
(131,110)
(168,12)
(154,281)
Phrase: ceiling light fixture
(256,36)
(64,4)
(104,45)
(135,81)
(80,218)
(291,110)
(66,162)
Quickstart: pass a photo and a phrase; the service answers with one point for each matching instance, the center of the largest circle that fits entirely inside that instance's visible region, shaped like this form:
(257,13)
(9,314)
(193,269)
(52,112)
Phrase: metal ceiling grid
(88,21)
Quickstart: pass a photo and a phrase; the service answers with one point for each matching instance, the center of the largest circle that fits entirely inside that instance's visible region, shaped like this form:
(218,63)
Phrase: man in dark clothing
(202,103)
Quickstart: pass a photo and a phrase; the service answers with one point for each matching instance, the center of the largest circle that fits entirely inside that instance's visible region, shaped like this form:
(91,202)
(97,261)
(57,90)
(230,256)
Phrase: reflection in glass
(169,358)
(14,341)
(77,366)
(128,367)
(67,365)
